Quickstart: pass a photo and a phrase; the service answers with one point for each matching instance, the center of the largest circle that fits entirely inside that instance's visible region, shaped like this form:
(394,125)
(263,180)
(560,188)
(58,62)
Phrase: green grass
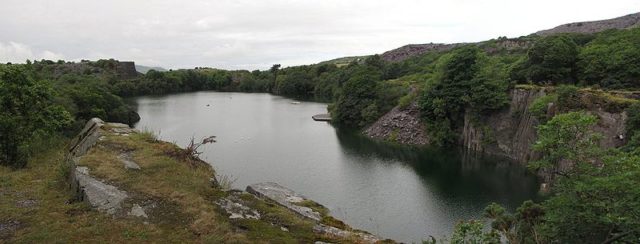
(184,212)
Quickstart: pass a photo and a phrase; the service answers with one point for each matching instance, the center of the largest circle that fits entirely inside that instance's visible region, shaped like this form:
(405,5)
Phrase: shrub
(539,106)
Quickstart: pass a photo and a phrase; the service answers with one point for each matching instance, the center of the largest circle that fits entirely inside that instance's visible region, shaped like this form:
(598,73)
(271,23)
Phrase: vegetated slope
(407,51)
(344,60)
(589,27)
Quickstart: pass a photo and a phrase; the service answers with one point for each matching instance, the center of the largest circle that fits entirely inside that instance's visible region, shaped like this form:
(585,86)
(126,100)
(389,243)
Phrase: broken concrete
(283,196)
(120,129)
(99,195)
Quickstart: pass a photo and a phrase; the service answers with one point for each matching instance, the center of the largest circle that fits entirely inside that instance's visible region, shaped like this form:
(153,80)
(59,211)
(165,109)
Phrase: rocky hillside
(402,125)
(624,22)
(508,133)
(411,50)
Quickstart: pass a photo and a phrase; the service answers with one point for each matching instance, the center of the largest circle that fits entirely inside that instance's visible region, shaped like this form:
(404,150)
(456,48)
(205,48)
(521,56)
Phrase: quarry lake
(398,192)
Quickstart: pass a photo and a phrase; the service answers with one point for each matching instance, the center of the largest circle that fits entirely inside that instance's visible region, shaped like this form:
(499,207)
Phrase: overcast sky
(242,34)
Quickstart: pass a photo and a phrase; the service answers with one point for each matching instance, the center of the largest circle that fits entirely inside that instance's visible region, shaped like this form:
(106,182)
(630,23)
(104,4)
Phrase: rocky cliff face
(126,70)
(512,132)
(508,133)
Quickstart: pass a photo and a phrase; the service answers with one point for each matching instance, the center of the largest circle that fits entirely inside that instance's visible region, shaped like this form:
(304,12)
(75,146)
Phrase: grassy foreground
(36,204)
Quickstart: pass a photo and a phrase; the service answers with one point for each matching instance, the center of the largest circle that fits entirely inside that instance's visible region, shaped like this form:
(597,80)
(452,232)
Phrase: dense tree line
(608,59)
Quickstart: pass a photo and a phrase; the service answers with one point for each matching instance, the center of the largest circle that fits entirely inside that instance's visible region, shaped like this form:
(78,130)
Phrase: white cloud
(256,33)
(18,53)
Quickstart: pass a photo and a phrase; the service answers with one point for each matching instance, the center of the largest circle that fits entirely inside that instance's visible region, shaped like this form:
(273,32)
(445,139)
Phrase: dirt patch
(7,228)
(28,203)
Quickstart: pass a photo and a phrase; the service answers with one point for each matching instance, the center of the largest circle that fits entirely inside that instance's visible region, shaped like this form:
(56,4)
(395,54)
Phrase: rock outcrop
(99,194)
(511,133)
(126,70)
(296,203)
(407,51)
(285,197)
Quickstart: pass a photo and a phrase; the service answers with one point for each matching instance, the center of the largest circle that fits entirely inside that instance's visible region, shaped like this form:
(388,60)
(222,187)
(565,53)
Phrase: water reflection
(452,173)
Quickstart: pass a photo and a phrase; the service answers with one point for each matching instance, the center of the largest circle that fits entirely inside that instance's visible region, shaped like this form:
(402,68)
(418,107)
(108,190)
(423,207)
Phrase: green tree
(468,80)
(551,59)
(28,112)
(521,227)
(357,94)
(633,127)
(274,71)
(612,59)
(599,205)
(596,200)
(567,137)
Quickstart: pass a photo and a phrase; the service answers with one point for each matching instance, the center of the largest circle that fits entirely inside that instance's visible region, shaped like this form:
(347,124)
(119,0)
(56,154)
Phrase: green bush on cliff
(468,81)
(29,113)
(633,127)
(539,106)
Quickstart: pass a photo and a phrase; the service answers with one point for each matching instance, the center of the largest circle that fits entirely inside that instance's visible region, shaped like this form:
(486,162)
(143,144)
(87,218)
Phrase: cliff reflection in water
(451,172)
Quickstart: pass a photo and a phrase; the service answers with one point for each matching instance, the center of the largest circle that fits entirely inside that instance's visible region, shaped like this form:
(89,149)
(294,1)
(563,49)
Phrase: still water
(397,192)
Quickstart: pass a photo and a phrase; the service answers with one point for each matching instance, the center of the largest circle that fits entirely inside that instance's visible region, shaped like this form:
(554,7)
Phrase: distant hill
(144,69)
(344,61)
(410,50)
(624,22)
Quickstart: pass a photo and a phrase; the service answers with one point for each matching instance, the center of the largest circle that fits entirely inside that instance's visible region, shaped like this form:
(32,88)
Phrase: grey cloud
(243,34)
